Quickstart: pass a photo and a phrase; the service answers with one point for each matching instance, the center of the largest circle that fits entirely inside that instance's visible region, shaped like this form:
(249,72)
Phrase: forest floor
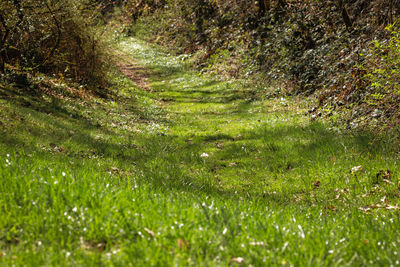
(179,168)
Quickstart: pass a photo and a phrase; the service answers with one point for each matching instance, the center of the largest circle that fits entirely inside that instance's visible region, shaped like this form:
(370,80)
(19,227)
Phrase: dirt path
(138,74)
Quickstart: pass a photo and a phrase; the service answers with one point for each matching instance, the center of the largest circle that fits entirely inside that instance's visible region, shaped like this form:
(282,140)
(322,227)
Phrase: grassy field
(188,170)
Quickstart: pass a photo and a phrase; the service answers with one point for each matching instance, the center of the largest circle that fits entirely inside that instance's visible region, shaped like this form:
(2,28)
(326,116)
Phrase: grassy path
(187,170)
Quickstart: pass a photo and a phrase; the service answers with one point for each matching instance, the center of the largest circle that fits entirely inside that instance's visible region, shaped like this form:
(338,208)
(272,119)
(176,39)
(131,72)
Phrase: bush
(52,37)
(382,76)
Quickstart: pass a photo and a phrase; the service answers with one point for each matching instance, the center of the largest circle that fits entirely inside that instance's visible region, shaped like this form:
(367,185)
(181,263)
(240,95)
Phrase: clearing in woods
(178,168)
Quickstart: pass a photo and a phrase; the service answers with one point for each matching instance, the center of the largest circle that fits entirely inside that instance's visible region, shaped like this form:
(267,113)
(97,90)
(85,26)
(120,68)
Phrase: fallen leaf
(237,260)
(298,198)
(331,208)
(390,207)
(219,145)
(149,232)
(101,246)
(385,200)
(183,244)
(379,206)
(317,183)
(387,181)
(232,164)
(366,242)
(365,208)
(357,169)
(383,176)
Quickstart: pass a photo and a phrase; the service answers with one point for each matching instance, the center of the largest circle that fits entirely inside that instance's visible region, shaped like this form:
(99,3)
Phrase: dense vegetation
(344,53)
(321,47)
(61,38)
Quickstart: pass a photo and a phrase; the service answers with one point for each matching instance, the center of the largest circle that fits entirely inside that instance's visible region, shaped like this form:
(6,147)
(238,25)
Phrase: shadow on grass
(169,162)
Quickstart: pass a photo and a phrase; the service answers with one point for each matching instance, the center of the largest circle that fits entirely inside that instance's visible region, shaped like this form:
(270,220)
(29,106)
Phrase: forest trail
(177,168)
(264,148)
(219,122)
(138,74)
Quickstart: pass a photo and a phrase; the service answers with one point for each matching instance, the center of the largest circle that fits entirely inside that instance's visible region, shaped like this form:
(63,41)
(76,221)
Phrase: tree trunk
(200,17)
(263,7)
(345,15)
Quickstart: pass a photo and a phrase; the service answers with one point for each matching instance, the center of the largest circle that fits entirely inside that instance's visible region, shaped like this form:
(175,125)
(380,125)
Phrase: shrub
(53,37)
(382,76)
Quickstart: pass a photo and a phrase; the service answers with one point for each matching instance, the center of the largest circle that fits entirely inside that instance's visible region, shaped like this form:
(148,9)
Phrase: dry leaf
(385,200)
(317,183)
(378,206)
(365,208)
(384,175)
(183,244)
(331,208)
(149,232)
(237,260)
(357,169)
(219,145)
(298,198)
(387,181)
(101,246)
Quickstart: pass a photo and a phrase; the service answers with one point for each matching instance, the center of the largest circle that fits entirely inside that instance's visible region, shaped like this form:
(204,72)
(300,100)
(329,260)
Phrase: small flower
(204,155)
(63,174)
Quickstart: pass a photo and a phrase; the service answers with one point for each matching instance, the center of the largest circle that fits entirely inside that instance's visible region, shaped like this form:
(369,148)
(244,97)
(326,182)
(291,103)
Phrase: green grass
(194,172)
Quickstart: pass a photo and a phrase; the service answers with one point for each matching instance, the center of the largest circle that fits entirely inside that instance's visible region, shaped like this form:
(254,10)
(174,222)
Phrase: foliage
(304,47)
(382,68)
(52,37)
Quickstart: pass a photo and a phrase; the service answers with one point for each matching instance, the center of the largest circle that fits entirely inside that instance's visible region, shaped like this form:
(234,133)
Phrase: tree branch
(58,25)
